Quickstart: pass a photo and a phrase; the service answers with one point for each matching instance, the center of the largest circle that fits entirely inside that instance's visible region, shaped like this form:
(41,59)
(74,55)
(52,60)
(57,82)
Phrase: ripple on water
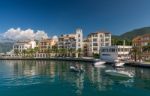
(24,80)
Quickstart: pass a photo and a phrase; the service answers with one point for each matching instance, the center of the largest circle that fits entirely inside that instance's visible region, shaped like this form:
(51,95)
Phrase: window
(95,49)
(78,35)
(104,50)
(95,44)
(107,44)
(95,35)
(94,40)
(79,44)
(102,44)
(107,35)
(107,39)
(106,54)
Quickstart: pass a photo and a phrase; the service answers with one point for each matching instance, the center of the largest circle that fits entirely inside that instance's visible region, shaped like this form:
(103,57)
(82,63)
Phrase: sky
(56,17)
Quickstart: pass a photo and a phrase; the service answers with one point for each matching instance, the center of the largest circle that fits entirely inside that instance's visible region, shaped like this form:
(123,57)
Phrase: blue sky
(63,16)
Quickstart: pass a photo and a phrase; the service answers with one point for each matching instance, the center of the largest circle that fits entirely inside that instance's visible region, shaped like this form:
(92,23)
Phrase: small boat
(99,66)
(75,69)
(118,63)
(99,63)
(119,73)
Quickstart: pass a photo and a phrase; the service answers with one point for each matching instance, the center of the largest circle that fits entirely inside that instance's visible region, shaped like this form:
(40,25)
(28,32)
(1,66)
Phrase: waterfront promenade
(138,64)
(83,59)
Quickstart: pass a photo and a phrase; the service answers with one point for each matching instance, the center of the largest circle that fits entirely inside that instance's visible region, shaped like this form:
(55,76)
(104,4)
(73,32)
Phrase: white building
(24,45)
(98,40)
(111,53)
(71,41)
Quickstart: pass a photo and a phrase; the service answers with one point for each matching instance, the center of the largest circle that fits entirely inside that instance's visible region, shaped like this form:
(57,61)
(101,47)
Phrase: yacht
(119,73)
(112,53)
(97,63)
(118,63)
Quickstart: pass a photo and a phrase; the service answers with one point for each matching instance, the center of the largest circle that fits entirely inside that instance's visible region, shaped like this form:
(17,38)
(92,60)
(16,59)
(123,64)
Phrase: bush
(96,55)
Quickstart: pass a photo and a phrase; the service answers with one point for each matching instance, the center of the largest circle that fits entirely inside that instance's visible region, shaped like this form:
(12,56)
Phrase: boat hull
(119,74)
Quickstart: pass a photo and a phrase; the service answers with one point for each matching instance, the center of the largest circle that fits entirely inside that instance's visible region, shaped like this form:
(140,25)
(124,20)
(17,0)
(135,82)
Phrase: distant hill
(131,34)
(5,44)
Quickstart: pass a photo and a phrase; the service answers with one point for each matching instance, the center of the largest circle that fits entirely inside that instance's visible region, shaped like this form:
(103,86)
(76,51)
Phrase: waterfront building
(71,41)
(24,45)
(96,41)
(45,47)
(112,53)
(141,42)
(85,47)
(19,47)
(46,44)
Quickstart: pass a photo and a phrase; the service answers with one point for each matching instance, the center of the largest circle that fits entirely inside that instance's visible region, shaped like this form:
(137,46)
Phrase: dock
(138,64)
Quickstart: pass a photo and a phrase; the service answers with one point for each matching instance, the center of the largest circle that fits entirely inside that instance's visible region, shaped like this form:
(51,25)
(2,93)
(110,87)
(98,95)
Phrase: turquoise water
(53,78)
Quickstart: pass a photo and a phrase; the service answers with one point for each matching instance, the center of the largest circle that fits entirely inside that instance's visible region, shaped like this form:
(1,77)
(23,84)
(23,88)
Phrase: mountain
(5,44)
(131,34)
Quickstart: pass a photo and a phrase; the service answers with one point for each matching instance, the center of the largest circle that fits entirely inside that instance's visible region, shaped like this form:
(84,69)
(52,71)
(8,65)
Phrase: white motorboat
(99,63)
(119,73)
(100,66)
(119,64)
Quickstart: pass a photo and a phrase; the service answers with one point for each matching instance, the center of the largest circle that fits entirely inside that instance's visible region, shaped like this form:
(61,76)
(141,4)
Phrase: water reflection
(41,72)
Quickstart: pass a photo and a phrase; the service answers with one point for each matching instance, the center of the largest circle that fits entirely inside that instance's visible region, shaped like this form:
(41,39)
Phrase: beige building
(141,42)
(85,47)
(45,47)
(96,41)
(71,41)
(46,44)
(24,45)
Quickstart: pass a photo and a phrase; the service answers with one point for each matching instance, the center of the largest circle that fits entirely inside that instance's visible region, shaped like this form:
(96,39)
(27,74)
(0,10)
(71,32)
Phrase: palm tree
(49,51)
(24,52)
(55,50)
(63,51)
(31,52)
(16,51)
(71,50)
(36,49)
(136,53)
(79,51)
(146,48)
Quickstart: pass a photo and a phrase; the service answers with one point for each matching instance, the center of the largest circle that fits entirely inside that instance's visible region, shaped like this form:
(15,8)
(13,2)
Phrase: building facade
(24,45)
(46,44)
(112,53)
(71,41)
(98,40)
(46,47)
(85,48)
(141,42)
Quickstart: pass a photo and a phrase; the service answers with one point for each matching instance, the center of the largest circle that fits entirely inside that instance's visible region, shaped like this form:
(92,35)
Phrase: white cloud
(55,37)
(19,34)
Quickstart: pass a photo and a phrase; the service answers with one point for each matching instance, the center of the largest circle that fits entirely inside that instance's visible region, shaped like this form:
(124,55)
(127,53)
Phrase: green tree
(71,51)
(79,52)
(16,51)
(146,48)
(55,50)
(30,52)
(36,49)
(136,53)
(24,52)
(49,51)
